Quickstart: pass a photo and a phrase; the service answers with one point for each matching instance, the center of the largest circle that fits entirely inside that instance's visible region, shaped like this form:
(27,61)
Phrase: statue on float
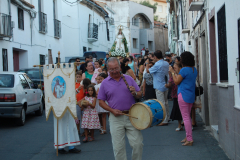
(119,47)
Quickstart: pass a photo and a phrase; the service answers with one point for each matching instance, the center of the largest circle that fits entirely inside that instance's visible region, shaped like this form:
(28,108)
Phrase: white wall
(232,10)
(75,30)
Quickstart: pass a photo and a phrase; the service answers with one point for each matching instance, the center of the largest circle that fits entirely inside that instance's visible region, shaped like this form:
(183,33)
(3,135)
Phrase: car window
(33,74)
(29,80)
(24,82)
(6,80)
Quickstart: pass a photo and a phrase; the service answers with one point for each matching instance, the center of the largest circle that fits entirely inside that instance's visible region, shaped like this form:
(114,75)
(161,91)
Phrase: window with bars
(42,59)
(222,45)
(5,59)
(20,19)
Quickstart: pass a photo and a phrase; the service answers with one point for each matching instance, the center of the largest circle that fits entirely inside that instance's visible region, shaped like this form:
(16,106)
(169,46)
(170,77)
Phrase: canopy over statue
(119,47)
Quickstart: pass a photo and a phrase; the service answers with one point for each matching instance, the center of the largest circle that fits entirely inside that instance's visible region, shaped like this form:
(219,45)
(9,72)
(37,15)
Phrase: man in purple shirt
(120,99)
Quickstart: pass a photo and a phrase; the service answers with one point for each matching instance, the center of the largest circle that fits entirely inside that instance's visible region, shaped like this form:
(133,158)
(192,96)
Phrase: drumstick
(129,115)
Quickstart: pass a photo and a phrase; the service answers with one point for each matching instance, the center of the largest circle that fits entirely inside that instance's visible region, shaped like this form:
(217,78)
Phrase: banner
(59,89)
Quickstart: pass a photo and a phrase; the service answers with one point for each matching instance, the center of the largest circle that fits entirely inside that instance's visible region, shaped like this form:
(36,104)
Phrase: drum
(149,113)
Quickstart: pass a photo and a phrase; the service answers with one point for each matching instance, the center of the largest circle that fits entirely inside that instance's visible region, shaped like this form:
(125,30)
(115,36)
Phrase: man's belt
(125,111)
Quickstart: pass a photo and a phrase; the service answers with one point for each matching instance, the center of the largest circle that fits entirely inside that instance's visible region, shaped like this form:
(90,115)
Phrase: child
(90,119)
(79,97)
(97,70)
(102,112)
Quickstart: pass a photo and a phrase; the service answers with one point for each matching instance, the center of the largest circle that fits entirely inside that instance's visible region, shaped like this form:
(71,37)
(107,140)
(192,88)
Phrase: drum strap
(124,79)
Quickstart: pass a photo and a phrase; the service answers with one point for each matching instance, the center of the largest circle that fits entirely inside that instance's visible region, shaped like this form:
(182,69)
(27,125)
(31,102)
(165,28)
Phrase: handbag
(197,104)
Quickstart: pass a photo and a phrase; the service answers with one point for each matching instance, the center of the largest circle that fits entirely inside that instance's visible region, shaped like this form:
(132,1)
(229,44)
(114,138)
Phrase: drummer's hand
(117,112)
(133,90)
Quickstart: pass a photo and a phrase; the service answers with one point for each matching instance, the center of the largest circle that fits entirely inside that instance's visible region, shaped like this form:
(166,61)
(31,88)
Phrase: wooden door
(15,61)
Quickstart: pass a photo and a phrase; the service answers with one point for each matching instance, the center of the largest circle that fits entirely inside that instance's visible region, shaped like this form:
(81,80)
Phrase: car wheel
(40,111)
(21,120)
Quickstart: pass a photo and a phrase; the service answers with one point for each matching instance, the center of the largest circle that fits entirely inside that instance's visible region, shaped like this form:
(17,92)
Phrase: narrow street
(35,141)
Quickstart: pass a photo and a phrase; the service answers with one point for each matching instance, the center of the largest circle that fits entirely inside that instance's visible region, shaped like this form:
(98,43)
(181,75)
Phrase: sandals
(188,143)
(91,139)
(184,140)
(179,129)
(103,132)
(85,140)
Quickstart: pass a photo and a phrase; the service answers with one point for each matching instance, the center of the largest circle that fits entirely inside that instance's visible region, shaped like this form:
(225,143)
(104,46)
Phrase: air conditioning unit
(111,21)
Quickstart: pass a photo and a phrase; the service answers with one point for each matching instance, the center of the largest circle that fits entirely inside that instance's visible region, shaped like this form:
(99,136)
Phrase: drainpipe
(9,7)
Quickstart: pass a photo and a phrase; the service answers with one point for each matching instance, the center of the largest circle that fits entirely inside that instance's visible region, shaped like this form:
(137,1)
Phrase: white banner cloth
(59,88)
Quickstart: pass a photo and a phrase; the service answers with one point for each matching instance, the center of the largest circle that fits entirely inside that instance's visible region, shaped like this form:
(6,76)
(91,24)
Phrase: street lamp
(106,18)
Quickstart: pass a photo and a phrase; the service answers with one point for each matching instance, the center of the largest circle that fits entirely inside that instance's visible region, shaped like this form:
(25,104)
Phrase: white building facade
(32,32)
(137,21)
(87,26)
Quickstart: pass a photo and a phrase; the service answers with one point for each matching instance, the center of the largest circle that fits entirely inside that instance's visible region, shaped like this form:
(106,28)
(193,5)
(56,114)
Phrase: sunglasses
(78,61)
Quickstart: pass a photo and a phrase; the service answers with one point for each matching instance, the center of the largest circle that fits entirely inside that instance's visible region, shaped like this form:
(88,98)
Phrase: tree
(148,4)
(155,18)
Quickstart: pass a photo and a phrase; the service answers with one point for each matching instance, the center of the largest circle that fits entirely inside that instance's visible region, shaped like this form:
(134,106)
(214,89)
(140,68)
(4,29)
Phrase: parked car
(95,54)
(19,96)
(73,59)
(135,55)
(36,75)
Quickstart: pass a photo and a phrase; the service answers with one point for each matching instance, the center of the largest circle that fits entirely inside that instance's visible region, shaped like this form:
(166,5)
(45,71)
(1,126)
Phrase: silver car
(19,96)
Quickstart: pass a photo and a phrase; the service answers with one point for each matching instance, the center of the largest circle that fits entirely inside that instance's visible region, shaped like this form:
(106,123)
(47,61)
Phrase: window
(6,80)
(5,59)
(57,60)
(135,21)
(29,80)
(222,45)
(20,19)
(23,82)
(160,8)
(42,59)
(134,42)
(150,45)
(84,49)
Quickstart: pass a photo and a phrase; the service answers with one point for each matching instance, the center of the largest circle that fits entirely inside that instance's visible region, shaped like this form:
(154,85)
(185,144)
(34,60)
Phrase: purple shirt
(116,93)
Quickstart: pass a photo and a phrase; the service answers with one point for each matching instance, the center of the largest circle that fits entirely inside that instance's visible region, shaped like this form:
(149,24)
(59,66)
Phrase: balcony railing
(57,28)
(5,25)
(92,32)
(42,22)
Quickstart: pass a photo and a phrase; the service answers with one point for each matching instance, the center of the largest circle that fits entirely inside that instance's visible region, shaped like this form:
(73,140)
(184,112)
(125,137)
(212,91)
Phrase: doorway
(15,61)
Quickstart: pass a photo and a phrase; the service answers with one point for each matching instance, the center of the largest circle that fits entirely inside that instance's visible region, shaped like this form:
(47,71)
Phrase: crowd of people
(107,88)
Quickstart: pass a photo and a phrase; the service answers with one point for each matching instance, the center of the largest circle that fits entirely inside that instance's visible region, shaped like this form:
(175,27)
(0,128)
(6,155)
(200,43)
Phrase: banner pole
(57,137)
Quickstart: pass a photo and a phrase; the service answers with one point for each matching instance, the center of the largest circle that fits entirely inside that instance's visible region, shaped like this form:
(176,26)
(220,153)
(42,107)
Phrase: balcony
(42,22)
(92,32)
(195,5)
(57,28)
(5,25)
